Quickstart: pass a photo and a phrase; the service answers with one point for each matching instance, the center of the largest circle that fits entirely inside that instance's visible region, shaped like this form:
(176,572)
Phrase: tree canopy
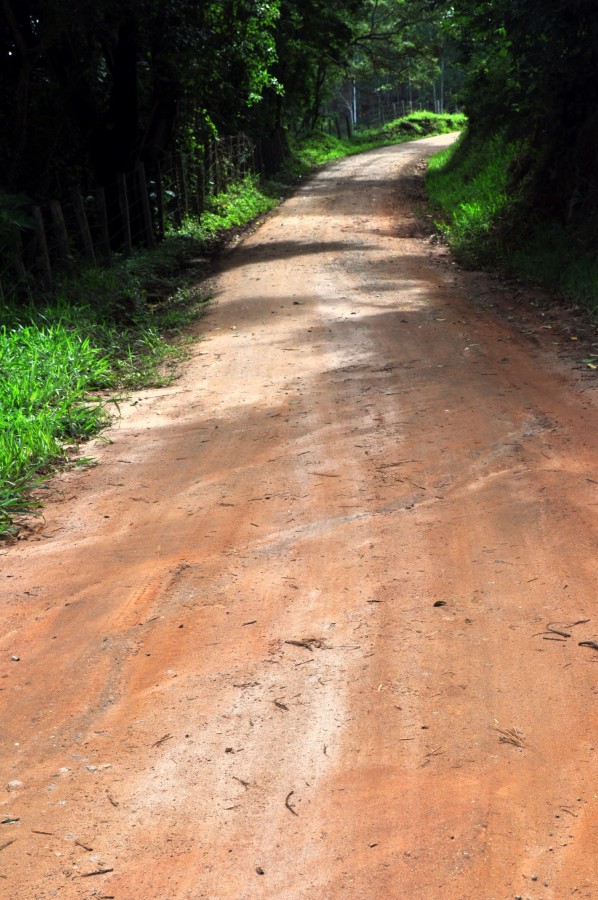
(92,92)
(118,81)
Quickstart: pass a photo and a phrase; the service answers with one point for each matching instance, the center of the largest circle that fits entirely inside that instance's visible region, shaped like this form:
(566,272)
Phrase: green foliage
(46,375)
(319,148)
(532,74)
(522,191)
(418,124)
(109,329)
(233,208)
(314,44)
(84,96)
(471,184)
(53,358)
(403,38)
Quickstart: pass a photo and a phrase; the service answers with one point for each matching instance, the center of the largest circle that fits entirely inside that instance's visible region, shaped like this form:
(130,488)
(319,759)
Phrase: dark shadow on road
(284,250)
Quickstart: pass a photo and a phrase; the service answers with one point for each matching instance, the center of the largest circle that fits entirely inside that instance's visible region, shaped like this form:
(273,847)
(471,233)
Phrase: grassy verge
(489,225)
(242,203)
(321,148)
(104,330)
(469,185)
(46,374)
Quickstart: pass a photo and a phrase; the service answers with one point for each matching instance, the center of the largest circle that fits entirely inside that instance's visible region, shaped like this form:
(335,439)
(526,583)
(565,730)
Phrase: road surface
(316,625)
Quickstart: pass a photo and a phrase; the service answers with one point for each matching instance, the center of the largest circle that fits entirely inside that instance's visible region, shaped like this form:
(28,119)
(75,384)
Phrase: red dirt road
(234,680)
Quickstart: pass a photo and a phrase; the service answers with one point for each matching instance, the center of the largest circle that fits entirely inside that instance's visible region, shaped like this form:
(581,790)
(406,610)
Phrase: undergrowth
(469,184)
(321,148)
(46,376)
(488,223)
(240,204)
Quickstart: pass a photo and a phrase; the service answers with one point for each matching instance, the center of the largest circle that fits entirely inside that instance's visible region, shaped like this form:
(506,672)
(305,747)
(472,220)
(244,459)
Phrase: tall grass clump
(469,185)
(490,223)
(46,378)
(230,209)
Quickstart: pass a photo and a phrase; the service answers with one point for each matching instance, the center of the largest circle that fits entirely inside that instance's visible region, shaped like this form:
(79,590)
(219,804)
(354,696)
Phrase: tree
(314,40)
(92,93)
(534,74)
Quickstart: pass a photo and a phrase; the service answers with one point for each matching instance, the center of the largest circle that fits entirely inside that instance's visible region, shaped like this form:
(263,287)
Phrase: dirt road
(312,627)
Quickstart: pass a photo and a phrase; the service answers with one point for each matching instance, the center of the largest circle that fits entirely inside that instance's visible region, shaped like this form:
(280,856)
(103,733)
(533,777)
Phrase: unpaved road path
(235,679)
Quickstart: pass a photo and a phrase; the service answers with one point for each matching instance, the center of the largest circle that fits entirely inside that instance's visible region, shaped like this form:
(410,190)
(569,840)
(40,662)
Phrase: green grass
(418,125)
(321,148)
(488,224)
(111,329)
(242,203)
(469,185)
(47,374)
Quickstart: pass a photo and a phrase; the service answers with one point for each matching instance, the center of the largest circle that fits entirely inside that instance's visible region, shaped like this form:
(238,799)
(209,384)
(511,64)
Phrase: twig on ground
(289,806)
(308,643)
(244,783)
(84,846)
(97,872)
(305,644)
(560,628)
(510,736)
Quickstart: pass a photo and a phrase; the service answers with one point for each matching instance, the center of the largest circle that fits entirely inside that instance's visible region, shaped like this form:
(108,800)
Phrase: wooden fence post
(43,257)
(159,200)
(61,234)
(216,168)
(125,216)
(83,224)
(145,206)
(177,211)
(259,165)
(182,182)
(104,230)
(200,178)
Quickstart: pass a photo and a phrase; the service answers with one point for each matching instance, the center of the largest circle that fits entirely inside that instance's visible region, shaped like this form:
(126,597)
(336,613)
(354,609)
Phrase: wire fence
(97,224)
